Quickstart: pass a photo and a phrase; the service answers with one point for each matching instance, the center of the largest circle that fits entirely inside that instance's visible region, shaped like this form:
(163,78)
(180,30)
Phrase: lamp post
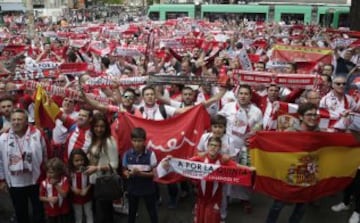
(30,18)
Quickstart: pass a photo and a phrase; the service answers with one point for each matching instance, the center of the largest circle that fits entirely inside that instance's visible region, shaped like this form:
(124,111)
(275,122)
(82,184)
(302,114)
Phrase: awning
(12,7)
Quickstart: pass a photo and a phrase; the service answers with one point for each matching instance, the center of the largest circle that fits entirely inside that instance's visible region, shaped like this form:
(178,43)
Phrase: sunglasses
(340,83)
(128,96)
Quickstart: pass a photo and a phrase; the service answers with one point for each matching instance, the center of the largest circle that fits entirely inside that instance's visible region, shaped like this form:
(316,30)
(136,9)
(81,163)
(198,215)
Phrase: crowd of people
(56,168)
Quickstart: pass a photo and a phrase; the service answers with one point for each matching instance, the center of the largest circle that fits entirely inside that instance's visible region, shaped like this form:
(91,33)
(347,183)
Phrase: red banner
(177,136)
(267,78)
(308,57)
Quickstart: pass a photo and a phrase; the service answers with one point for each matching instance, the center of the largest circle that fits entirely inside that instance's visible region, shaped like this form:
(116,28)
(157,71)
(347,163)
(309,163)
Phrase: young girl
(80,186)
(53,192)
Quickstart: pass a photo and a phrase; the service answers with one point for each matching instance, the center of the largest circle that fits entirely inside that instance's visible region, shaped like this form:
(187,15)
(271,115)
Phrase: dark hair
(72,155)
(88,109)
(262,63)
(245,86)
(187,88)
(107,134)
(294,66)
(20,110)
(72,57)
(218,120)
(138,133)
(239,45)
(105,61)
(273,85)
(306,107)
(57,165)
(215,139)
(328,78)
(147,88)
(6,98)
(331,65)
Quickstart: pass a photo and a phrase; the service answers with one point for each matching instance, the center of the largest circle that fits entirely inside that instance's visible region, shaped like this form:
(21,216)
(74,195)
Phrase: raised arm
(215,98)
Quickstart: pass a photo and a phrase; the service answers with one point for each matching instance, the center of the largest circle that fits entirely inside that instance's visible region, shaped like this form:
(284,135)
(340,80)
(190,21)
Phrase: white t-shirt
(60,132)
(333,104)
(227,144)
(154,113)
(241,121)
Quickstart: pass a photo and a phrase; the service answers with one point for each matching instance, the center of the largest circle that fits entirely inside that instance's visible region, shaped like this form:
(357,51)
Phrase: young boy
(209,196)
(218,127)
(138,165)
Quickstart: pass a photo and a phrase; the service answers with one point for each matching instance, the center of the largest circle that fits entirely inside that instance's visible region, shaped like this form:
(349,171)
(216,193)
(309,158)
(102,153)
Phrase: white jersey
(21,158)
(60,132)
(154,113)
(334,105)
(240,121)
(227,144)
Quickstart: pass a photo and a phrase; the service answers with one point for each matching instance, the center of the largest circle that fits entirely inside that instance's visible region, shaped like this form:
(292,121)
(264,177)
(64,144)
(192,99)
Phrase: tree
(355,15)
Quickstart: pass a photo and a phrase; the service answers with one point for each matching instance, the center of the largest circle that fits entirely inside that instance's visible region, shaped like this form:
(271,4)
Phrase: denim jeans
(276,208)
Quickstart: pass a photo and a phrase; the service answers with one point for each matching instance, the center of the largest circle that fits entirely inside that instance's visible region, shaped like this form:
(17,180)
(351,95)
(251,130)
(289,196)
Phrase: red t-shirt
(79,180)
(62,207)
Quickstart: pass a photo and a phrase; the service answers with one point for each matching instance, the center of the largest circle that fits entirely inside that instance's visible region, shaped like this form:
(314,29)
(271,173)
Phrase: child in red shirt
(53,192)
(80,186)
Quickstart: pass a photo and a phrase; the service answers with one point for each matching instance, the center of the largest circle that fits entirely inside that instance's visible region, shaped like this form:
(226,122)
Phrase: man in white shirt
(22,151)
(336,100)
(243,120)
(60,132)
(151,110)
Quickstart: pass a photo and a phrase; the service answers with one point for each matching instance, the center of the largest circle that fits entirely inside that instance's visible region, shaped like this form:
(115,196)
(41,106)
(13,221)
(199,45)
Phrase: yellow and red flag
(46,111)
(303,166)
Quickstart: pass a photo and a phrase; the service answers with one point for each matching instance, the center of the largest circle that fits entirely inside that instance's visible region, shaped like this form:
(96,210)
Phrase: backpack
(161,108)
(1,122)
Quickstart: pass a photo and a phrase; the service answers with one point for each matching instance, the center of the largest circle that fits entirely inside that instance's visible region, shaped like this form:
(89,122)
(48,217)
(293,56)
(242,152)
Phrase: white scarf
(20,153)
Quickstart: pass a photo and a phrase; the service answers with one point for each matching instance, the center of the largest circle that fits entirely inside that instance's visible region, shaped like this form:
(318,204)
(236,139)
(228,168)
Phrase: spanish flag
(303,166)
(46,111)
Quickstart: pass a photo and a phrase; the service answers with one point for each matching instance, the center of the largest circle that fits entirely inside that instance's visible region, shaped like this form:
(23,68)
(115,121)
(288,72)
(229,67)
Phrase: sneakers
(340,207)
(355,217)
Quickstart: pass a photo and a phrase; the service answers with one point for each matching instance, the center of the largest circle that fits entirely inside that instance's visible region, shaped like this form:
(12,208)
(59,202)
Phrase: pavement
(317,212)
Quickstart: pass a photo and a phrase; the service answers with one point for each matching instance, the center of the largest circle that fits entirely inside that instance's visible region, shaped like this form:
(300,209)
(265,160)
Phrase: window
(326,19)
(155,16)
(288,17)
(344,20)
(258,17)
(174,15)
